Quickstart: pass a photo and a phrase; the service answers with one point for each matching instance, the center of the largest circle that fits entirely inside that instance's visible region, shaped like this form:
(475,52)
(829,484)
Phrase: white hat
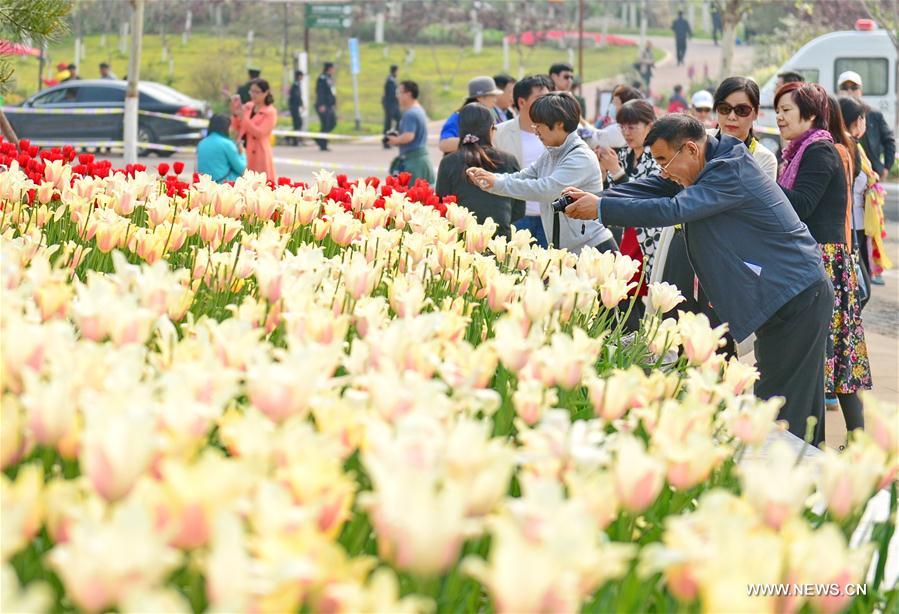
(703,100)
(851,76)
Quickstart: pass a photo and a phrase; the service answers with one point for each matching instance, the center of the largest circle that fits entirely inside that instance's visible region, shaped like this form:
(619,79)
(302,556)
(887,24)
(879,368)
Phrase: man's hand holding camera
(584,206)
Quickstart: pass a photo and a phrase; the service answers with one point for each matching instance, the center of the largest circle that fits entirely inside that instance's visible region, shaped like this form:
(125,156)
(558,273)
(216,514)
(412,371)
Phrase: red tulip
(163,169)
(178,165)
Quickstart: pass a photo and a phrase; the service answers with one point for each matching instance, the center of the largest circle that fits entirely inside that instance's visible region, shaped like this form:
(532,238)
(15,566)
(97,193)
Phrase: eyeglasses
(630,127)
(742,110)
(664,167)
(852,86)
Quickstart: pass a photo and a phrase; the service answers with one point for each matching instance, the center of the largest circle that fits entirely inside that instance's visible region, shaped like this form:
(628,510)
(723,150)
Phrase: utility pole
(40,70)
(643,20)
(285,71)
(580,39)
(131,96)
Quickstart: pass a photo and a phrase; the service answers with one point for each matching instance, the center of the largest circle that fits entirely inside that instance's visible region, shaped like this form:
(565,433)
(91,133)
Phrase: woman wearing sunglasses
(737,107)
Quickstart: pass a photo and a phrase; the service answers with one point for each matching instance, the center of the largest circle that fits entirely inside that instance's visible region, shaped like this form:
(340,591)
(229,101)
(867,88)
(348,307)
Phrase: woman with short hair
(635,118)
(567,161)
(814,181)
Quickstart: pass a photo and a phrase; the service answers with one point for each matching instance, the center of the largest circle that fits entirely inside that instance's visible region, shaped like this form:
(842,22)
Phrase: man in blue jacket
(756,261)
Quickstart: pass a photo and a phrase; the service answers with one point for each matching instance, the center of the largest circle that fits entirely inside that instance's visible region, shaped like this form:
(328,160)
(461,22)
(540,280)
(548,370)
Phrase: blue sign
(354,55)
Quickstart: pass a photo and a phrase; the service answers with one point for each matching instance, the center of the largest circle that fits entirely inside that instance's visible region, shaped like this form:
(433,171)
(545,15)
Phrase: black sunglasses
(742,110)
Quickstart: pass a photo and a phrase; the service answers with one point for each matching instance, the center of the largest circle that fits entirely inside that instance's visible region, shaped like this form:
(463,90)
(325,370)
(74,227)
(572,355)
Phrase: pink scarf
(793,154)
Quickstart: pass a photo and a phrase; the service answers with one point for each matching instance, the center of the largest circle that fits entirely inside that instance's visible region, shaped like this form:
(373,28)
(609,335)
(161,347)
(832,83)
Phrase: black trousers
(328,120)
(861,240)
(391,118)
(789,353)
(681,51)
(679,271)
(297,123)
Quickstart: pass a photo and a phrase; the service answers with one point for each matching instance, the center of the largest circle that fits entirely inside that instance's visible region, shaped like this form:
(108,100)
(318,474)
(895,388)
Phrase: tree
(32,21)
(732,12)
(886,14)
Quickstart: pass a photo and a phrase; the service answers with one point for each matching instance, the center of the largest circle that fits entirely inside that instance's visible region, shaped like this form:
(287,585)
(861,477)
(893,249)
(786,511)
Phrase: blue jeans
(534,224)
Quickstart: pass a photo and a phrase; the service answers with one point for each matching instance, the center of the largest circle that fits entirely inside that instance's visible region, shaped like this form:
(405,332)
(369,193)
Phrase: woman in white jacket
(567,161)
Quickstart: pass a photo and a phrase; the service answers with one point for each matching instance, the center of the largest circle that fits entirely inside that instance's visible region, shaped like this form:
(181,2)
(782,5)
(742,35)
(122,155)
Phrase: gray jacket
(745,241)
(570,164)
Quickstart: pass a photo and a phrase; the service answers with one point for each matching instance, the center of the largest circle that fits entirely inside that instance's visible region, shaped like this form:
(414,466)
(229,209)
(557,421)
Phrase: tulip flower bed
(350,396)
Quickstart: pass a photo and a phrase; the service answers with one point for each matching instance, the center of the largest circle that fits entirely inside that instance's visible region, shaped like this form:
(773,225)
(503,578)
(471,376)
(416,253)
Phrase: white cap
(702,100)
(851,76)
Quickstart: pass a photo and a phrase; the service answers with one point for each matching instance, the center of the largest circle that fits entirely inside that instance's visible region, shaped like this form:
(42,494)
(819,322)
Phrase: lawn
(207,63)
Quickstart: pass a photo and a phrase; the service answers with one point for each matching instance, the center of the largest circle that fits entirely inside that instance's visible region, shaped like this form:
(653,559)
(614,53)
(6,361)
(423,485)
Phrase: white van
(867,50)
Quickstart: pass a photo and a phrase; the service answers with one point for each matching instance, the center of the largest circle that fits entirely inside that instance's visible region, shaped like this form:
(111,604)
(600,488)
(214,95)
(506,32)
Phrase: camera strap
(556,230)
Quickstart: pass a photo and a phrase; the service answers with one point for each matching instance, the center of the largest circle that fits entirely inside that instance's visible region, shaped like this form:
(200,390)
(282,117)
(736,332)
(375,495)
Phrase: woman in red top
(254,123)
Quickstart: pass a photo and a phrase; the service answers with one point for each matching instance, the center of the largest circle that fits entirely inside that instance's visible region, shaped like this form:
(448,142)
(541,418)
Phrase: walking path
(702,55)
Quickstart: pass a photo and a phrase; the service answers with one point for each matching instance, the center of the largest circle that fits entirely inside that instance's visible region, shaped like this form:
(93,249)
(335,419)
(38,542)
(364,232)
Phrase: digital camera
(560,203)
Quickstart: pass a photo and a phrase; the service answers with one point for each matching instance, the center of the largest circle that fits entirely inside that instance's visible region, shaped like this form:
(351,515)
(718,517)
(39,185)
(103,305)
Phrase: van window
(873,71)
(811,75)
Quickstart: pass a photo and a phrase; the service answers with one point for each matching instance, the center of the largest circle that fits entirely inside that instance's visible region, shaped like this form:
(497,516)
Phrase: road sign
(329,23)
(354,55)
(330,16)
(332,8)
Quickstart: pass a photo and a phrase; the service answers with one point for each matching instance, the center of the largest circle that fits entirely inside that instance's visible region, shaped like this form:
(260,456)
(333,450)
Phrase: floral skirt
(847,368)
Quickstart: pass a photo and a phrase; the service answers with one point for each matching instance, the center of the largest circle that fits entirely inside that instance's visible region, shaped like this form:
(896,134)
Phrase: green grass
(207,63)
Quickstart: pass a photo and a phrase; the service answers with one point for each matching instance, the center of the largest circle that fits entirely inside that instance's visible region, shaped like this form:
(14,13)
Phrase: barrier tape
(115,144)
(33,111)
(199,122)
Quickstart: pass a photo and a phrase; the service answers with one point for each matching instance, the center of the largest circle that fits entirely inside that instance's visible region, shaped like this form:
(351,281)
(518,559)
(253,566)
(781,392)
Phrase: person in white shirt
(517,137)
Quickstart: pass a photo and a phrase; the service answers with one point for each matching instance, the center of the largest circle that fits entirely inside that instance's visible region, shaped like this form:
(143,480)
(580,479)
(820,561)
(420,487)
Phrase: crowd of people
(784,252)
(68,71)
(781,251)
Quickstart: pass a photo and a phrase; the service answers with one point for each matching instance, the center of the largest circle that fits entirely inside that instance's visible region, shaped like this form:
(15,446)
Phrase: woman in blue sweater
(217,155)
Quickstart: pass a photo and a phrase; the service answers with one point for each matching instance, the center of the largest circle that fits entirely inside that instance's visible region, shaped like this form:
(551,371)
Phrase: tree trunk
(728,40)
(9,135)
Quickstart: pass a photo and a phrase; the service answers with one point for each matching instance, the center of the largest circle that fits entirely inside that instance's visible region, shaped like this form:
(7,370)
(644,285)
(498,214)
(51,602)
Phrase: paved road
(702,56)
